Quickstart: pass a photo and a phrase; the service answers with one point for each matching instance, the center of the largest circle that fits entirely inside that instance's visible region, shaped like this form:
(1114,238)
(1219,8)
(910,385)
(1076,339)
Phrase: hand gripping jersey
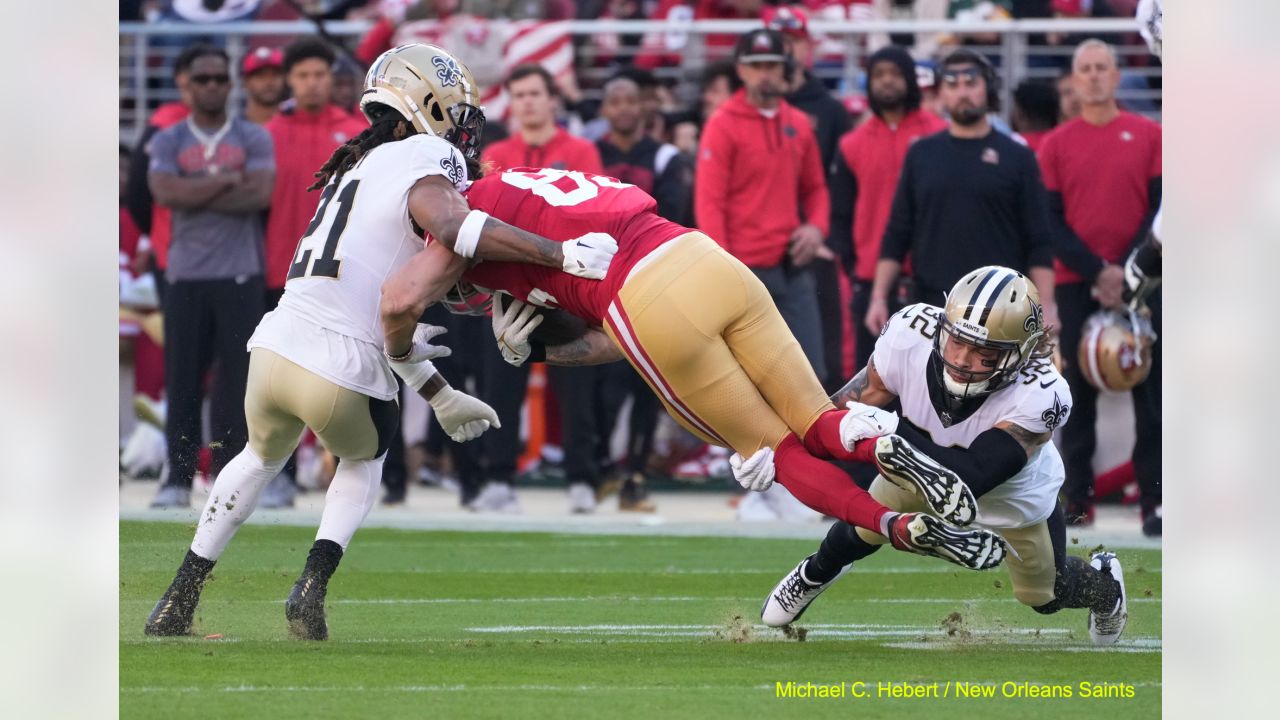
(562,205)
(327,320)
(1039,401)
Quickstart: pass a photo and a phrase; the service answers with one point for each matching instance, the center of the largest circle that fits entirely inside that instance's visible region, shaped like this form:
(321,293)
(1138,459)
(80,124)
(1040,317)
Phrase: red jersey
(1104,174)
(303,143)
(562,152)
(563,205)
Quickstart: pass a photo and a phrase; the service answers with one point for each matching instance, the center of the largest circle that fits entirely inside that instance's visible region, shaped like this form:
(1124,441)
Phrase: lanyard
(210,142)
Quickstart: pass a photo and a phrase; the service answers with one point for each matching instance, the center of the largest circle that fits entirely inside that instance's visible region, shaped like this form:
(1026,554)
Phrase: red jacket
(303,143)
(758,179)
(873,153)
(562,152)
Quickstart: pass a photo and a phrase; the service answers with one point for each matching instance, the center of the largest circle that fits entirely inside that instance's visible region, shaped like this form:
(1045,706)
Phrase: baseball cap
(763,45)
(261,58)
(787,19)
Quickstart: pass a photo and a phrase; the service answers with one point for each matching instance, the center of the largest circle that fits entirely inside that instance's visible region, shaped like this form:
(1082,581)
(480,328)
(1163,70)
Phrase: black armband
(992,458)
(537,352)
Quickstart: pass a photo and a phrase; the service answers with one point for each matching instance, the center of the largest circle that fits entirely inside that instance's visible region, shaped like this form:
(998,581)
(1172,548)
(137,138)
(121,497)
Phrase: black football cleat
(174,613)
(942,490)
(927,535)
(305,609)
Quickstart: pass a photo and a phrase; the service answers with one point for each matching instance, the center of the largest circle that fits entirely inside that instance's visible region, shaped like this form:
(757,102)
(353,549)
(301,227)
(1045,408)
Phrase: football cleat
(305,609)
(1106,629)
(497,497)
(172,616)
(792,596)
(634,496)
(942,490)
(582,499)
(927,535)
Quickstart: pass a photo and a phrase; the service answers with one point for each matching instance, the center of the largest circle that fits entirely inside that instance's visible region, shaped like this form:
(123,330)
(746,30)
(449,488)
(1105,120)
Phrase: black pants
(503,386)
(643,421)
(827,275)
(204,321)
(469,338)
(1079,435)
(590,398)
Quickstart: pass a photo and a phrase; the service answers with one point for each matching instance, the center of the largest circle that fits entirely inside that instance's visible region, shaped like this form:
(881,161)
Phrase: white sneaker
(792,596)
(145,453)
(496,497)
(787,507)
(1106,629)
(582,499)
(755,508)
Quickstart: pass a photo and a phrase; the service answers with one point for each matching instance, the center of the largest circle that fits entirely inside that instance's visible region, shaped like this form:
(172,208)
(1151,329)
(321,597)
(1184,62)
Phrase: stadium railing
(147,51)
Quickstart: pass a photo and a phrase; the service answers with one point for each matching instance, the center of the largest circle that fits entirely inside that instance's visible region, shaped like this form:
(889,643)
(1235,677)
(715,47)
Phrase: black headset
(965,56)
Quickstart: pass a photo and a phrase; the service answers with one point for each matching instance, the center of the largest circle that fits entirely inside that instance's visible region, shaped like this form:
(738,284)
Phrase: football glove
(589,256)
(755,473)
(416,368)
(512,326)
(865,421)
(462,416)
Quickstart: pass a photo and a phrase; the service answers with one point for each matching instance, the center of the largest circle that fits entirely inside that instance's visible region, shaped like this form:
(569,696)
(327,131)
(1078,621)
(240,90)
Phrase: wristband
(415,375)
(399,358)
(537,352)
(468,237)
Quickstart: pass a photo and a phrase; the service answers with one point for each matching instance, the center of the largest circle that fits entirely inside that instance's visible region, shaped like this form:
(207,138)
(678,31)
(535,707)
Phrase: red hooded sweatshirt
(758,179)
(303,143)
(562,152)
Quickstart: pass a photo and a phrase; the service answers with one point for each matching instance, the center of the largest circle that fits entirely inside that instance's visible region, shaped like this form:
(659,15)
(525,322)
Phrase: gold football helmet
(429,88)
(992,307)
(1115,349)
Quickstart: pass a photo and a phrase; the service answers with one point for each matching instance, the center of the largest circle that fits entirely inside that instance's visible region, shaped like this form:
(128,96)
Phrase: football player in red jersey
(702,331)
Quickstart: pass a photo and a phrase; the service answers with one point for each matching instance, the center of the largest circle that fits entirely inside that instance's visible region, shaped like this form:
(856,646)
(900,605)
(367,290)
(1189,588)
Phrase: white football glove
(865,421)
(589,256)
(416,369)
(462,416)
(756,472)
(512,327)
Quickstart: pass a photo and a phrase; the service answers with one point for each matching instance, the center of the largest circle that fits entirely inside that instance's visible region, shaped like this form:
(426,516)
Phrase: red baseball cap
(786,19)
(260,59)
(1073,7)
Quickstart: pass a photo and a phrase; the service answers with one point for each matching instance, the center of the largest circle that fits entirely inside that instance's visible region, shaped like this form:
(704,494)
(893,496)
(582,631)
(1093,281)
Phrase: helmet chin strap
(963,390)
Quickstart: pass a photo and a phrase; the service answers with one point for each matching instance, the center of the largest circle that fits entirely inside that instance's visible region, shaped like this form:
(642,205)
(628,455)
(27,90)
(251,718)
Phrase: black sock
(195,569)
(323,559)
(1082,586)
(841,547)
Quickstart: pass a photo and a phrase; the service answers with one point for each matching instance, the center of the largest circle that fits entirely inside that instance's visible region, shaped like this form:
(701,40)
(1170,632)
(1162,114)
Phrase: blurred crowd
(809,182)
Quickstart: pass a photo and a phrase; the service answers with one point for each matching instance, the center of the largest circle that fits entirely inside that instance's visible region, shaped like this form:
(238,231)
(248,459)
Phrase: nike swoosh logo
(1045,385)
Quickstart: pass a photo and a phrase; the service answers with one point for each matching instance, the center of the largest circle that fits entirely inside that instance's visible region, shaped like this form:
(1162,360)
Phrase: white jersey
(1038,401)
(328,320)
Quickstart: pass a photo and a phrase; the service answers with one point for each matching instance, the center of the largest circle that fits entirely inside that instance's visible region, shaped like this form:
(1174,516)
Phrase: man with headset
(966,198)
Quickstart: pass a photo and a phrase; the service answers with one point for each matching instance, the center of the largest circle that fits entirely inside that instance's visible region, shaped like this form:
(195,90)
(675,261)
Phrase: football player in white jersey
(979,394)
(318,360)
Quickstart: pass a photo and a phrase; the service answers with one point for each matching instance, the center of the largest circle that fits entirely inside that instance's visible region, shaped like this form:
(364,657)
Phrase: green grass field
(448,624)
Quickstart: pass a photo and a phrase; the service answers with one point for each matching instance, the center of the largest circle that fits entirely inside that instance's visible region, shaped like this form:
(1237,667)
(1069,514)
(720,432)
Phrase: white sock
(232,500)
(351,496)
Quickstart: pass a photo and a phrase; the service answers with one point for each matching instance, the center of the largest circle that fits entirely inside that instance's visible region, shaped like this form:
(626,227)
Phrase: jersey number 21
(305,261)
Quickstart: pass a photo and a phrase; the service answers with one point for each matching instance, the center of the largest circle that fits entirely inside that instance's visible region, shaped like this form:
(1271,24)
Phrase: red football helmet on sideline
(1115,349)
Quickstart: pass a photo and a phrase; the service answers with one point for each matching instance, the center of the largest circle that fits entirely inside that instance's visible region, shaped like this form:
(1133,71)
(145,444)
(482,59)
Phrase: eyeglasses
(222,79)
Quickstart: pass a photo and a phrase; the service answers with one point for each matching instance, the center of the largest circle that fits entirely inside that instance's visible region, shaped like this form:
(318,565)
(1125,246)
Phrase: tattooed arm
(1029,441)
(593,348)
(439,209)
(865,387)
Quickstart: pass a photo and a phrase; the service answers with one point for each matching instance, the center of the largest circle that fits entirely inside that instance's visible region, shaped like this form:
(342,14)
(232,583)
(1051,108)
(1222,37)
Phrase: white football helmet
(1150,14)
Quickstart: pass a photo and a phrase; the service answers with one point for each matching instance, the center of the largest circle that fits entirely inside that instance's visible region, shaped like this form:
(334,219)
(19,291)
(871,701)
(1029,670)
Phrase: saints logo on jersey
(1054,416)
(453,169)
(447,70)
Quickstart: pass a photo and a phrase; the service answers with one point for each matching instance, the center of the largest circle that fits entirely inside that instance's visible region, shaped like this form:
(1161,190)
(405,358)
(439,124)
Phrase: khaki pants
(703,332)
(282,398)
(1031,567)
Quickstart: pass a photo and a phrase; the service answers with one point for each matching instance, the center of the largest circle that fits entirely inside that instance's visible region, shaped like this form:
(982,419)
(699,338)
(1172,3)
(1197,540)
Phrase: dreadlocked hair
(388,127)
(1044,346)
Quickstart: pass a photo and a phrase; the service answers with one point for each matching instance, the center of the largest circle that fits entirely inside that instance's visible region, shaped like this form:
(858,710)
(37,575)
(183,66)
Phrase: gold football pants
(703,332)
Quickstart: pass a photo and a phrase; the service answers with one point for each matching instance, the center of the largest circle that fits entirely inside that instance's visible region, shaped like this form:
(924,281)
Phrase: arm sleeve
(992,458)
(260,153)
(711,184)
(897,233)
(1035,217)
(1155,193)
(813,188)
(844,197)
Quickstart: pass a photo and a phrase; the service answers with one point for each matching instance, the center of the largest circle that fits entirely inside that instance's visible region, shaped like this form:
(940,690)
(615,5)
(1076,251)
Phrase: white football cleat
(496,497)
(582,499)
(913,471)
(1106,629)
(925,534)
(792,596)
